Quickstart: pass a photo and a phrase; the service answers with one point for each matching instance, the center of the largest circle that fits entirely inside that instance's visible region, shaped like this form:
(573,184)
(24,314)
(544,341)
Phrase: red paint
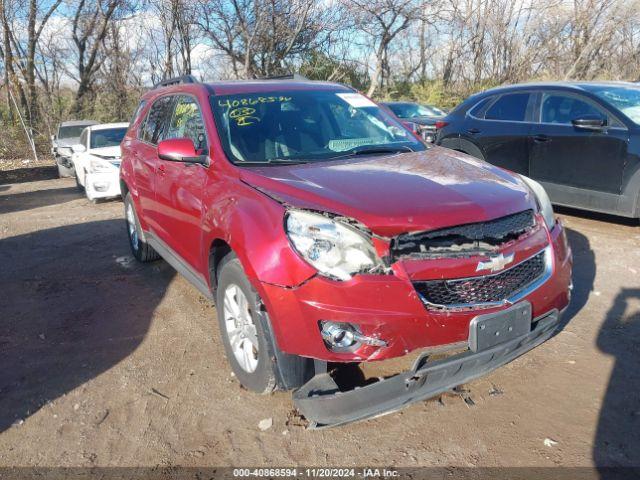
(176,149)
(191,207)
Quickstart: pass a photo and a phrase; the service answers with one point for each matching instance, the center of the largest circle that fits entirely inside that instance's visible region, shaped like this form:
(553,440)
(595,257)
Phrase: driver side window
(186,122)
(562,109)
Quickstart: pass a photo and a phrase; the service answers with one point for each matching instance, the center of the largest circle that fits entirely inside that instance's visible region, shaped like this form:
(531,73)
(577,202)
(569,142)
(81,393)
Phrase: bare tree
(265,37)
(21,51)
(90,26)
(382,21)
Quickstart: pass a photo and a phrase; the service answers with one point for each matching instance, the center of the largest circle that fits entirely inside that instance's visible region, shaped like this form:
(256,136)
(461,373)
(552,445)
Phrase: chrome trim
(519,295)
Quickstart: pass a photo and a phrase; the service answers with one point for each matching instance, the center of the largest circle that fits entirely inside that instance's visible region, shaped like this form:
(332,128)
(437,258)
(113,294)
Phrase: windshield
(625,99)
(411,110)
(109,137)
(71,132)
(305,125)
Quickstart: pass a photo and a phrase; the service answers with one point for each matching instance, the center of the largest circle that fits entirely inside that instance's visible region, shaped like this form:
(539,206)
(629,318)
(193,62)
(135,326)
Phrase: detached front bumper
(324,405)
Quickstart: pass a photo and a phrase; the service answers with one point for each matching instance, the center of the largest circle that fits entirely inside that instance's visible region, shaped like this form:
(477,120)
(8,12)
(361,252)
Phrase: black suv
(580,140)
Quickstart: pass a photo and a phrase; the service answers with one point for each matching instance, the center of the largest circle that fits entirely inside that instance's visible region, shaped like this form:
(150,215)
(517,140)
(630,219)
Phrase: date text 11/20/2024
(316,472)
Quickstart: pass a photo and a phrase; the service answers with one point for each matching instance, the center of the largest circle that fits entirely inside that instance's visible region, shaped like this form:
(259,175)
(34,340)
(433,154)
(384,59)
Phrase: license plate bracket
(491,329)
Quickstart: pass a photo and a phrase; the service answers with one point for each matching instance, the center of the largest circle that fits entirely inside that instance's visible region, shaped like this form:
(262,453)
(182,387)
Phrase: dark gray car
(67,135)
(580,140)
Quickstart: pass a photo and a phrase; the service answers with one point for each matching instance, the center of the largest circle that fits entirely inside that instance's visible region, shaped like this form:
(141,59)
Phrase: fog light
(100,186)
(342,336)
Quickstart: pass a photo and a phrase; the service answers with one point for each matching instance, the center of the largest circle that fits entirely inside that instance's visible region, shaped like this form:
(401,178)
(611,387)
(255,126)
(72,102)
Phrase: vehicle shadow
(29,174)
(18,202)
(617,440)
(74,304)
(583,275)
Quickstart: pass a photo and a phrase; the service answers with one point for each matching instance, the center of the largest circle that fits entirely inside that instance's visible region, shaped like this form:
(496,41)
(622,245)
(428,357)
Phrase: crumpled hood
(106,151)
(398,193)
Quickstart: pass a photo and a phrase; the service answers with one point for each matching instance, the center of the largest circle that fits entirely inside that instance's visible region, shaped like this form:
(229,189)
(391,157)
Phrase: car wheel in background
(247,345)
(142,251)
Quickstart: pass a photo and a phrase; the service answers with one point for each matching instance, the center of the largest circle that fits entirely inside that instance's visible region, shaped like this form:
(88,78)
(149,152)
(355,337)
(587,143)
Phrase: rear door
(179,185)
(564,155)
(501,130)
(146,159)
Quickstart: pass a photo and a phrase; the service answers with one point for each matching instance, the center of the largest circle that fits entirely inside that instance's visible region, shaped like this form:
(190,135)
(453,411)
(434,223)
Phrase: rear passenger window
(157,120)
(478,109)
(564,108)
(512,107)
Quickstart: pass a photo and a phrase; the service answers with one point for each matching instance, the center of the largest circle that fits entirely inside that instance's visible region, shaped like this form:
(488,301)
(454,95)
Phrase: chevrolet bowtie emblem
(496,263)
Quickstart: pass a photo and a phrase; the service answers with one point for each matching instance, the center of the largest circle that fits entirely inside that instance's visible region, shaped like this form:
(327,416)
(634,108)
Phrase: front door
(563,154)
(179,186)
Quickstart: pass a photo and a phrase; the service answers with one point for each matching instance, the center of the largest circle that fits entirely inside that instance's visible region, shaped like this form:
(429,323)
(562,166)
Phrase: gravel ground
(105,362)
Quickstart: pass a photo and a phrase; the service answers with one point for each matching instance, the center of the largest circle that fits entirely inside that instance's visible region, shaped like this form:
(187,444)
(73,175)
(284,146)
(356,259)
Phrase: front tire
(142,251)
(247,345)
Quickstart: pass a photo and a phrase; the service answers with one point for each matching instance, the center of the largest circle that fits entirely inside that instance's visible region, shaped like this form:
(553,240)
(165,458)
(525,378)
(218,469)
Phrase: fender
(629,203)
(254,229)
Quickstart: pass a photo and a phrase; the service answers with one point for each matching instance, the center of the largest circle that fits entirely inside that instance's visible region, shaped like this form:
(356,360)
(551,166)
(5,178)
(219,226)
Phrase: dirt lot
(106,362)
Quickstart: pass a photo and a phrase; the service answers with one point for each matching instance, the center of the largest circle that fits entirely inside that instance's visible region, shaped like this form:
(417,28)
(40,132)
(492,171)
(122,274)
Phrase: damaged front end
(324,404)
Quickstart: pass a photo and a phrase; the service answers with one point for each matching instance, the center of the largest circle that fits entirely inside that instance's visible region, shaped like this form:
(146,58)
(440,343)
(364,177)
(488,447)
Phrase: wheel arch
(470,148)
(218,249)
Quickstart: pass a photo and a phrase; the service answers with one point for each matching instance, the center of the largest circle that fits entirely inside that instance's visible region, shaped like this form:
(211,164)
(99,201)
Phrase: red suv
(328,234)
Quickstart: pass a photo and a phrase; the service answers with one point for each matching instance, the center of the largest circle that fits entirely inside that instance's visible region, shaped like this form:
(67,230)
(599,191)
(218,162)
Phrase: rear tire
(248,347)
(142,251)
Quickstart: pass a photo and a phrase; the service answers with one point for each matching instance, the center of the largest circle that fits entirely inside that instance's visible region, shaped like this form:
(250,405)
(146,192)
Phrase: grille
(464,239)
(486,289)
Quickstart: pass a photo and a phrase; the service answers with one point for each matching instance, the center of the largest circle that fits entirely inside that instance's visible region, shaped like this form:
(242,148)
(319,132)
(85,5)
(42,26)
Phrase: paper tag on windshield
(356,100)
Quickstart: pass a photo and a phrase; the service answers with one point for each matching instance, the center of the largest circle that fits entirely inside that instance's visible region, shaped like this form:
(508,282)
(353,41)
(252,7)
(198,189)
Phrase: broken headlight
(335,249)
(544,204)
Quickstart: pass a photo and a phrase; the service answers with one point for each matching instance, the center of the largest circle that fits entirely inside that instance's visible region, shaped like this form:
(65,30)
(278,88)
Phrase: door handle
(541,138)
(161,170)
(473,131)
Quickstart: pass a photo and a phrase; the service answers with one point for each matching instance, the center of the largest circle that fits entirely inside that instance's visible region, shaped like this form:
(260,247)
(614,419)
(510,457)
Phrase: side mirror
(590,122)
(79,148)
(53,138)
(180,150)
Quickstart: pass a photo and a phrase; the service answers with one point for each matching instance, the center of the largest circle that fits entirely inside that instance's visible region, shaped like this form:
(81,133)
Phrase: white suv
(96,160)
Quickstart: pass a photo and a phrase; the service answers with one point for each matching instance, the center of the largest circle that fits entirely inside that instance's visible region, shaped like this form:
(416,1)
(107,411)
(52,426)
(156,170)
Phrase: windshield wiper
(372,150)
(275,161)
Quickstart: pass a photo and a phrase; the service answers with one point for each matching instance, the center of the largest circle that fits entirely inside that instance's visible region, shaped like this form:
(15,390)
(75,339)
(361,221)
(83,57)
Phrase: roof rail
(176,81)
(289,76)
